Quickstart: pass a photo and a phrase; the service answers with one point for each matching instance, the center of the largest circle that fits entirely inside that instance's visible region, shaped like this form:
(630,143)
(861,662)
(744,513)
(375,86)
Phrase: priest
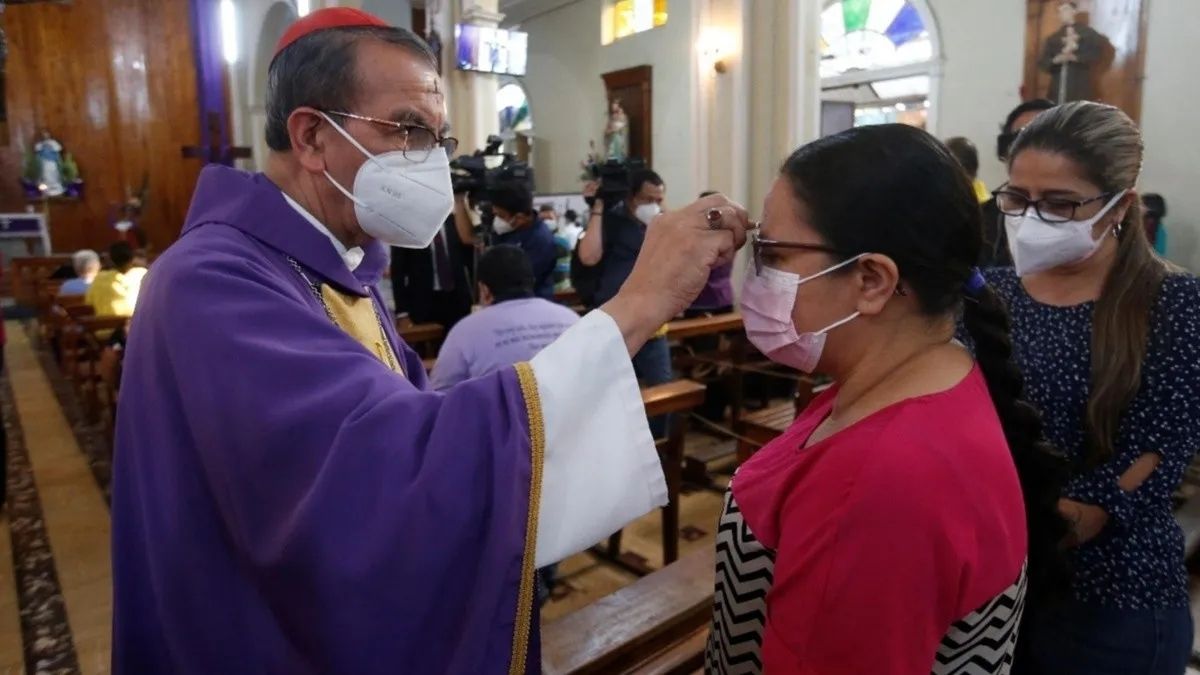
(288,494)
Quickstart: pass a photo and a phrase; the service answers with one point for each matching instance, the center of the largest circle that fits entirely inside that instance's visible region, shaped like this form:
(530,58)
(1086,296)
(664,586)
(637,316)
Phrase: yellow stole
(356,316)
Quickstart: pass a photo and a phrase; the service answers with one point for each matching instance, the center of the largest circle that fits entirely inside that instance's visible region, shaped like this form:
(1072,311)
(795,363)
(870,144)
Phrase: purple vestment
(282,501)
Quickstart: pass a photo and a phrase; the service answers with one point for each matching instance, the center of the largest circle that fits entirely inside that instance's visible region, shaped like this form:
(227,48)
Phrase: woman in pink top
(885,531)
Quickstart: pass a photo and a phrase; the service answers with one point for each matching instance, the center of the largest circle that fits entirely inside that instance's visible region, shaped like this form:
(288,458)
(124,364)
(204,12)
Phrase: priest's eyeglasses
(416,141)
(1049,209)
(761,247)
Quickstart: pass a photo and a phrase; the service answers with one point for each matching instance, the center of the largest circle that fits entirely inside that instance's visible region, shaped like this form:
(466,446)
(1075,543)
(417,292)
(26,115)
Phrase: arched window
(877,60)
(516,124)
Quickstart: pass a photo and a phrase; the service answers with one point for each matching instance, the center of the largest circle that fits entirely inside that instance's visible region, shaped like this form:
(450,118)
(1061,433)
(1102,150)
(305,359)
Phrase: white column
(804,81)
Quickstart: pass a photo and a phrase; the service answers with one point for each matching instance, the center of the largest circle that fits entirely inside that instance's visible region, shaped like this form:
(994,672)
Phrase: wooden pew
(658,624)
(682,329)
(763,426)
(567,296)
(98,397)
(673,398)
(27,271)
(425,338)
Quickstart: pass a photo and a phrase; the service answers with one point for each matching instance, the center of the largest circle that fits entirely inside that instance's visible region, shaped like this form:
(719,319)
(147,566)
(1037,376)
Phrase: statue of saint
(1069,56)
(616,133)
(50,155)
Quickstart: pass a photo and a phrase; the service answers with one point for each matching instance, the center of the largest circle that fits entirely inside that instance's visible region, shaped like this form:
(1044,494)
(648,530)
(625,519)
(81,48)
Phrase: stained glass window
(513,108)
(635,16)
(858,35)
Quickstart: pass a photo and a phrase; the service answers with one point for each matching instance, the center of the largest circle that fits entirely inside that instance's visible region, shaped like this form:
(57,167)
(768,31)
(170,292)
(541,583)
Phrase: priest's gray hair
(318,70)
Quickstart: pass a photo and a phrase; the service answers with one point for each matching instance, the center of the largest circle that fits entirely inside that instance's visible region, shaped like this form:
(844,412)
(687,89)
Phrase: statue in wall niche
(616,132)
(1070,55)
(50,158)
(50,171)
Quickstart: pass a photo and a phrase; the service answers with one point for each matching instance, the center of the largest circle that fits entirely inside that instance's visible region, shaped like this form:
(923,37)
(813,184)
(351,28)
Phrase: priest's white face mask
(402,197)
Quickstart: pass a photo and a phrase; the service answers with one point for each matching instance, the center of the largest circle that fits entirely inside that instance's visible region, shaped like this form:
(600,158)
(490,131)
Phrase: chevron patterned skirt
(981,643)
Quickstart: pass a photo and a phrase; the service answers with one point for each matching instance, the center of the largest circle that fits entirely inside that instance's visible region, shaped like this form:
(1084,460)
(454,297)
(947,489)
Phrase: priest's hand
(679,252)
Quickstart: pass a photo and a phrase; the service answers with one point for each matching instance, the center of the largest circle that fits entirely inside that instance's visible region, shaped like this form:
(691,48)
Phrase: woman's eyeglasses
(416,141)
(758,245)
(1049,209)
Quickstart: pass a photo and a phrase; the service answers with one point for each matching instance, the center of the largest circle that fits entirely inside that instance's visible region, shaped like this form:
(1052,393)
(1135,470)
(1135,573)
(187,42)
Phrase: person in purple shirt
(513,326)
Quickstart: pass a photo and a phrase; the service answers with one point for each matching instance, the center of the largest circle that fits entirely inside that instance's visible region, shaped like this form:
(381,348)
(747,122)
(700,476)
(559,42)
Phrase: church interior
(111,112)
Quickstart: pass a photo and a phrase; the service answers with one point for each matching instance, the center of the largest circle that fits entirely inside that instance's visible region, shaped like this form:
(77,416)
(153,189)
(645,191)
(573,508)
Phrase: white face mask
(647,212)
(501,226)
(1037,246)
(768,299)
(397,200)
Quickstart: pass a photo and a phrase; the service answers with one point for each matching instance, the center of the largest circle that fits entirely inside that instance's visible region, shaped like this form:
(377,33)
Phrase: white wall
(1171,125)
(395,12)
(983,55)
(566,93)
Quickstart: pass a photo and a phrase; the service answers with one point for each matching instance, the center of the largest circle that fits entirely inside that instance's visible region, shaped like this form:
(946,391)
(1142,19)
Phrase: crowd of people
(985,488)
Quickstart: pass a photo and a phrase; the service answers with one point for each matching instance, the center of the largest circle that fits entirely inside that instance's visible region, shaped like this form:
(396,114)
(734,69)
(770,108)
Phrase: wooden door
(633,87)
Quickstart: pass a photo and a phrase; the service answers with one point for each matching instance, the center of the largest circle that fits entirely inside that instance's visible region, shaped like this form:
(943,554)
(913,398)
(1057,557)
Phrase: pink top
(884,534)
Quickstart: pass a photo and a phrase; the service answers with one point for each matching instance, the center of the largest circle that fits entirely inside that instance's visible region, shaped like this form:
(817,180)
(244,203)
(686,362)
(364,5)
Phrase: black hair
(1007,134)
(513,198)
(545,207)
(507,272)
(121,254)
(1154,205)
(319,70)
(925,217)
(966,154)
(571,216)
(639,177)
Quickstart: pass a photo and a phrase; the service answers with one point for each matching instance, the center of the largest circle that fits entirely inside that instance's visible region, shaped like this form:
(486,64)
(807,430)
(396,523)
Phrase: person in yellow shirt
(114,291)
(966,154)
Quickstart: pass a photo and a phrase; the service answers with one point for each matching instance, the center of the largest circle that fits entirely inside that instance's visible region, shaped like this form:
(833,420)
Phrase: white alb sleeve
(601,469)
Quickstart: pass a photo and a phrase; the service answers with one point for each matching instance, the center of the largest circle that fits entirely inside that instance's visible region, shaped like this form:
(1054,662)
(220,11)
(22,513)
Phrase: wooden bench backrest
(671,397)
(705,325)
(636,624)
(27,271)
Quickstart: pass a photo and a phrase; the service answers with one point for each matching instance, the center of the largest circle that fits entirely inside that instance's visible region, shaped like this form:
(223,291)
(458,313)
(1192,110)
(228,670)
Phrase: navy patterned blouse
(1136,562)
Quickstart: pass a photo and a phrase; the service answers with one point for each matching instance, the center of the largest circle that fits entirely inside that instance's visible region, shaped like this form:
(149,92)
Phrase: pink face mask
(768,299)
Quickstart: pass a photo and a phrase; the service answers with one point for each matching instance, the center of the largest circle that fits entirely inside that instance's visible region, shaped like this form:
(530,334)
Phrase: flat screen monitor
(490,50)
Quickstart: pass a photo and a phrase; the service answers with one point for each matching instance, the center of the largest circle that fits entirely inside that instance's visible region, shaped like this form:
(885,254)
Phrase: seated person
(968,157)
(87,265)
(513,326)
(114,291)
(565,238)
(517,225)
(547,215)
(1154,209)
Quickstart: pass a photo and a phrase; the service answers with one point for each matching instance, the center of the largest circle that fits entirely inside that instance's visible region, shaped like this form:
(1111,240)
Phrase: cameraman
(515,224)
(612,240)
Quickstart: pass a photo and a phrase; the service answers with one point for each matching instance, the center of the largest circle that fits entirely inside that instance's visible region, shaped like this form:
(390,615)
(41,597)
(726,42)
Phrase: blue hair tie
(975,283)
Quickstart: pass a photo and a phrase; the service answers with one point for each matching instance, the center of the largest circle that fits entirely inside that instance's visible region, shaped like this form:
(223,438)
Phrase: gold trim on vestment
(537,449)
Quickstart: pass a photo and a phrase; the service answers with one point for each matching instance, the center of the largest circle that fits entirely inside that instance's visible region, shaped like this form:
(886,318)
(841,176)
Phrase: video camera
(481,174)
(614,175)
